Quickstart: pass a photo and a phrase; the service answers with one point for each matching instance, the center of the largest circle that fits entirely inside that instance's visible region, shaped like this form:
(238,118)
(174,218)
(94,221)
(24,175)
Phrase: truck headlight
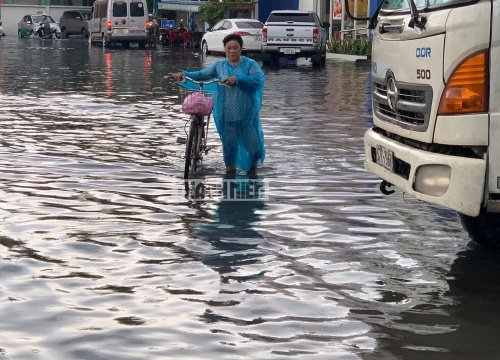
(432,180)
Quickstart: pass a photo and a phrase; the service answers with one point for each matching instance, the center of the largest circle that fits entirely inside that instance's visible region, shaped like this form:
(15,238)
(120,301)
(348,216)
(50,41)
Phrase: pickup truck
(294,34)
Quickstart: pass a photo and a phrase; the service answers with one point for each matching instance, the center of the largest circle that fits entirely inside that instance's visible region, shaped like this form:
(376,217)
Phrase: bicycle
(198,103)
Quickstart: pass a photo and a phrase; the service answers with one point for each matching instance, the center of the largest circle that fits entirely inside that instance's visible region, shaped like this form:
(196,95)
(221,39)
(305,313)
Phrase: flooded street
(104,257)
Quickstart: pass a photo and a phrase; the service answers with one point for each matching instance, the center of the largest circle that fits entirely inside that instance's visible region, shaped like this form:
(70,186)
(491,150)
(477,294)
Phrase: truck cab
(436,107)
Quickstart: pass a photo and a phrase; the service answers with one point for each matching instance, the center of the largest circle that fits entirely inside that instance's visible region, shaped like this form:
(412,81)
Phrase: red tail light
(108,25)
(315,36)
(0,22)
(264,34)
(148,24)
(242,33)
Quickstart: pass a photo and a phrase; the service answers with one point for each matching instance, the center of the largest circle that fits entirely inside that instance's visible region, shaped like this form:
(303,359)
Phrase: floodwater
(103,256)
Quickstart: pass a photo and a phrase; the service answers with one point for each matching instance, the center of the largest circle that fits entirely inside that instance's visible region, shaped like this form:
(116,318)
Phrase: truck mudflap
(460,187)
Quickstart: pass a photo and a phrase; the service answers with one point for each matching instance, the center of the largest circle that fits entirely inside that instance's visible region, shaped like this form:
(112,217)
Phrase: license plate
(289,50)
(385,157)
(120,31)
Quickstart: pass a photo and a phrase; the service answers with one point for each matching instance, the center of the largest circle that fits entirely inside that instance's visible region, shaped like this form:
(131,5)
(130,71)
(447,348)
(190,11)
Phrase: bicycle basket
(197,103)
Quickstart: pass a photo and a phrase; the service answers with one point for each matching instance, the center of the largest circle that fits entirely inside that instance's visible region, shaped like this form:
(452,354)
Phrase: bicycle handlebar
(201,83)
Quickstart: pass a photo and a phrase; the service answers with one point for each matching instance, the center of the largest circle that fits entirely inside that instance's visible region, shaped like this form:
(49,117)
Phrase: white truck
(436,107)
(294,34)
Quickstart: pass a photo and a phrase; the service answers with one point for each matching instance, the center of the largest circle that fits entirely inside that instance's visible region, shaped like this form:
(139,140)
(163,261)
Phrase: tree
(216,10)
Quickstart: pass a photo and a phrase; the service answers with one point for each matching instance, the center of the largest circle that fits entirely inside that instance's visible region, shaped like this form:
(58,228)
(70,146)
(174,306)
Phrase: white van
(119,21)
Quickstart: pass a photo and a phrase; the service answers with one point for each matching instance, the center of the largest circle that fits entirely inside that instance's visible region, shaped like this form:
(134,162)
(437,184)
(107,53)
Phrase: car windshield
(249,24)
(430,4)
(37,18)
(292,16)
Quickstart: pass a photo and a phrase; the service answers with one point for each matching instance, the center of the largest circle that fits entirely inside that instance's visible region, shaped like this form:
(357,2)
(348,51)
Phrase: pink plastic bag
(197,104)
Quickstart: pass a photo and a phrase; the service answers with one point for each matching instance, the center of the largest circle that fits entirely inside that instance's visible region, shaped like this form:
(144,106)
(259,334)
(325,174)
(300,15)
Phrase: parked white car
(249,29)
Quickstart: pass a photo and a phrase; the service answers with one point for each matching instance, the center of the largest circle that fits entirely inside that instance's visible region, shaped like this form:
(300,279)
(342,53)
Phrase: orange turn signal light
(467,89)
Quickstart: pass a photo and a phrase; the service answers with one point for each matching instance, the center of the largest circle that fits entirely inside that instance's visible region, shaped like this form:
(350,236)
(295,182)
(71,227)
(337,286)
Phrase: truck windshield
(421,4)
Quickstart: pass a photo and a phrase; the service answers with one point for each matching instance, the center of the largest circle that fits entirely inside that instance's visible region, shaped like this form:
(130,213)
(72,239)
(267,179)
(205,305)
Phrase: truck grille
(411,105)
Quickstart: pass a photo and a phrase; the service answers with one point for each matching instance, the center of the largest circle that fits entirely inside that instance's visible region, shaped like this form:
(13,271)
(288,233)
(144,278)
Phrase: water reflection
(231,233)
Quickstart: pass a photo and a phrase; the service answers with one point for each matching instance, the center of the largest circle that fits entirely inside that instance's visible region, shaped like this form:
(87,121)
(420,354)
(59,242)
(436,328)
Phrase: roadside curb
(345,57)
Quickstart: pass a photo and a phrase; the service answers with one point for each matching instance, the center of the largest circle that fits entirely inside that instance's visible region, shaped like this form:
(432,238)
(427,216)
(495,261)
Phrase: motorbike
(47,32)
(151,30)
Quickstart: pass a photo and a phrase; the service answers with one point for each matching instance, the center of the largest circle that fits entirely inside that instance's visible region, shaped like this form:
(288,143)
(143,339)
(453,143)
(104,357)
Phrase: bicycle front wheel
(192,149)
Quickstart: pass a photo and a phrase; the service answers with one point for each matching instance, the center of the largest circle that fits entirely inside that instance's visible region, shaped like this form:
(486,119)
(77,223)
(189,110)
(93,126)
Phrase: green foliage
(350,46)
(216,10)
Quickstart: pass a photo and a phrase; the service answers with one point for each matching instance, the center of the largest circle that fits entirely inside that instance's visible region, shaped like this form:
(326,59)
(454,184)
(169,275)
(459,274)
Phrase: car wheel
(84,33)
(64,33)
(204,48)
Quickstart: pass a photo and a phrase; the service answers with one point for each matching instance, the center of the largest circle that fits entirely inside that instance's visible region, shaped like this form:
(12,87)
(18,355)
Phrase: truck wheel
(266,59)
(316,60)
(483,229)
(276,60)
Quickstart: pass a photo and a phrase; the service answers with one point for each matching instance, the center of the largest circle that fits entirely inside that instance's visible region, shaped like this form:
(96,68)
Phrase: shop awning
(193,6)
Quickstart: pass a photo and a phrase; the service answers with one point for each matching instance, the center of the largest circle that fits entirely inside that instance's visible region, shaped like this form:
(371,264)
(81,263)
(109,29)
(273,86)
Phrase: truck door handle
(386,27)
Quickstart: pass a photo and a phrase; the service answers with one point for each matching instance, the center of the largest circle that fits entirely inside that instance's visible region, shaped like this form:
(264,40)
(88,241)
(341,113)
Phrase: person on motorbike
(45,30)
(152,27)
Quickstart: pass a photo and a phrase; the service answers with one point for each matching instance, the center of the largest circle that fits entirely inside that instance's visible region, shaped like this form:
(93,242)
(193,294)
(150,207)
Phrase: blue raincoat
(236,111)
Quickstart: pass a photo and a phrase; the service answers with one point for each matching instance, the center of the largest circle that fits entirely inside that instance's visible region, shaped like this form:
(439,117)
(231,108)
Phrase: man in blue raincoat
(236,109)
